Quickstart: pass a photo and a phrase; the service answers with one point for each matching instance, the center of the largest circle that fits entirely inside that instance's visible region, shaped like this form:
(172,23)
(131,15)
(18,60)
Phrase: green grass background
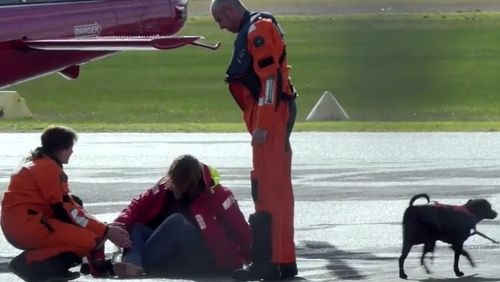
(389,72)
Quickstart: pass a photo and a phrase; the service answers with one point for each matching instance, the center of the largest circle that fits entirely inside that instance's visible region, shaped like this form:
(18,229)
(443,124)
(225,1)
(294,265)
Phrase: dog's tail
(423,195)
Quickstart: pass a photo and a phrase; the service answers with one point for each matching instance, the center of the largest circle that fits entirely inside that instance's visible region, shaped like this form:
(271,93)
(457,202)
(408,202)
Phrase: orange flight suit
(28,220)
(263,91)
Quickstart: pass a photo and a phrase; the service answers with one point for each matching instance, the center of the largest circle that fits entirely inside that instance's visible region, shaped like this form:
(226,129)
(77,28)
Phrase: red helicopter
(40,37)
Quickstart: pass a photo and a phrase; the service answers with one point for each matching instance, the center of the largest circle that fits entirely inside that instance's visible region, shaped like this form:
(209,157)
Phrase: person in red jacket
(187,223)
(258,81)
(40,216)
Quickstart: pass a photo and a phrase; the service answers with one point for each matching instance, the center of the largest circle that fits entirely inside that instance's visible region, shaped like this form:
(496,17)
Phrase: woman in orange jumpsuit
(40,216)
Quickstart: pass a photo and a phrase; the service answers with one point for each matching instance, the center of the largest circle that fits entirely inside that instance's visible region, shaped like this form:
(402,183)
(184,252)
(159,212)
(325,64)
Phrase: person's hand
(167,181)
(118,235)
(259,136)
(118,224)
(164,180)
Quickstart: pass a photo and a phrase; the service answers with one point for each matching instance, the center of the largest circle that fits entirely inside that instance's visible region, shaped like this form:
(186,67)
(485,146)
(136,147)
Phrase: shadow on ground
(4,262)
(468,278)
(337,260)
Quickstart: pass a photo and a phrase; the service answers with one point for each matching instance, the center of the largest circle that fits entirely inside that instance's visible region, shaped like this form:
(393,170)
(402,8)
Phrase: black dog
(425,224)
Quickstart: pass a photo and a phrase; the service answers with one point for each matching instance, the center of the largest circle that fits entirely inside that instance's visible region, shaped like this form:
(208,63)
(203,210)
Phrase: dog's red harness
(456,208)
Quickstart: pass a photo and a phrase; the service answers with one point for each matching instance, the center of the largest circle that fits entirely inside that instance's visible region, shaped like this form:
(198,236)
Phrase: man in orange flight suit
(40,216)
(258,80)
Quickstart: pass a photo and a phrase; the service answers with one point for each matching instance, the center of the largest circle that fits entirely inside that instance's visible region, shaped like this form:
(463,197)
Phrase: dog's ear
(468,201)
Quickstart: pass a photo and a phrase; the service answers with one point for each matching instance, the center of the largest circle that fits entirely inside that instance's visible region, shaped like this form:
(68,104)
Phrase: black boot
(20,267)
(288,270)
(51,269)
(261,267)
(56,268)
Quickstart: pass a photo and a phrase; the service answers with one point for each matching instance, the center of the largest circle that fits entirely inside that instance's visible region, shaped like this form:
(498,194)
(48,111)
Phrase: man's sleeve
(266,46)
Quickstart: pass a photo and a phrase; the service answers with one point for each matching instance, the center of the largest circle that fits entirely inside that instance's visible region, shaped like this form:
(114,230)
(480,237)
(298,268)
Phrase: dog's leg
(404,253)
(458,248)
(422,257)
(468,257)
(432,251)
(428,247)
(484,236)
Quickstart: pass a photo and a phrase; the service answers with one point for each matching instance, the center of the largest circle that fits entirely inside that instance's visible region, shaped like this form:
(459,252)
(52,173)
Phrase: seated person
(188,223)
(41,217)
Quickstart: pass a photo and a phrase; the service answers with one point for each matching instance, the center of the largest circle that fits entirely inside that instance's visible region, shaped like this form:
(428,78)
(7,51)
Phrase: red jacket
(215,210)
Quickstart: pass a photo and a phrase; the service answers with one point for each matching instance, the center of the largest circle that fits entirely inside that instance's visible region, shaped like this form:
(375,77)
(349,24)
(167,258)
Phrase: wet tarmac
(351,190)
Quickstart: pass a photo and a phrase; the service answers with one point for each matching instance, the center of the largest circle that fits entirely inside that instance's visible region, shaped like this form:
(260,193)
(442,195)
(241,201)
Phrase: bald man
(258,81)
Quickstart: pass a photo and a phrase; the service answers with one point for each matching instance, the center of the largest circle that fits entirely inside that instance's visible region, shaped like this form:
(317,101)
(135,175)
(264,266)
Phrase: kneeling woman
(188,223)
(40,216)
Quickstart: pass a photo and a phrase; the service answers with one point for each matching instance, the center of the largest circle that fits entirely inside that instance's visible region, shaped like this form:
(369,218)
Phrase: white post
(327,108)
(13,106)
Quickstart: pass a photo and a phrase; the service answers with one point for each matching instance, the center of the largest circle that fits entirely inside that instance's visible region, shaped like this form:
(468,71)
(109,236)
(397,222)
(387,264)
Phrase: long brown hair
(187,170)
